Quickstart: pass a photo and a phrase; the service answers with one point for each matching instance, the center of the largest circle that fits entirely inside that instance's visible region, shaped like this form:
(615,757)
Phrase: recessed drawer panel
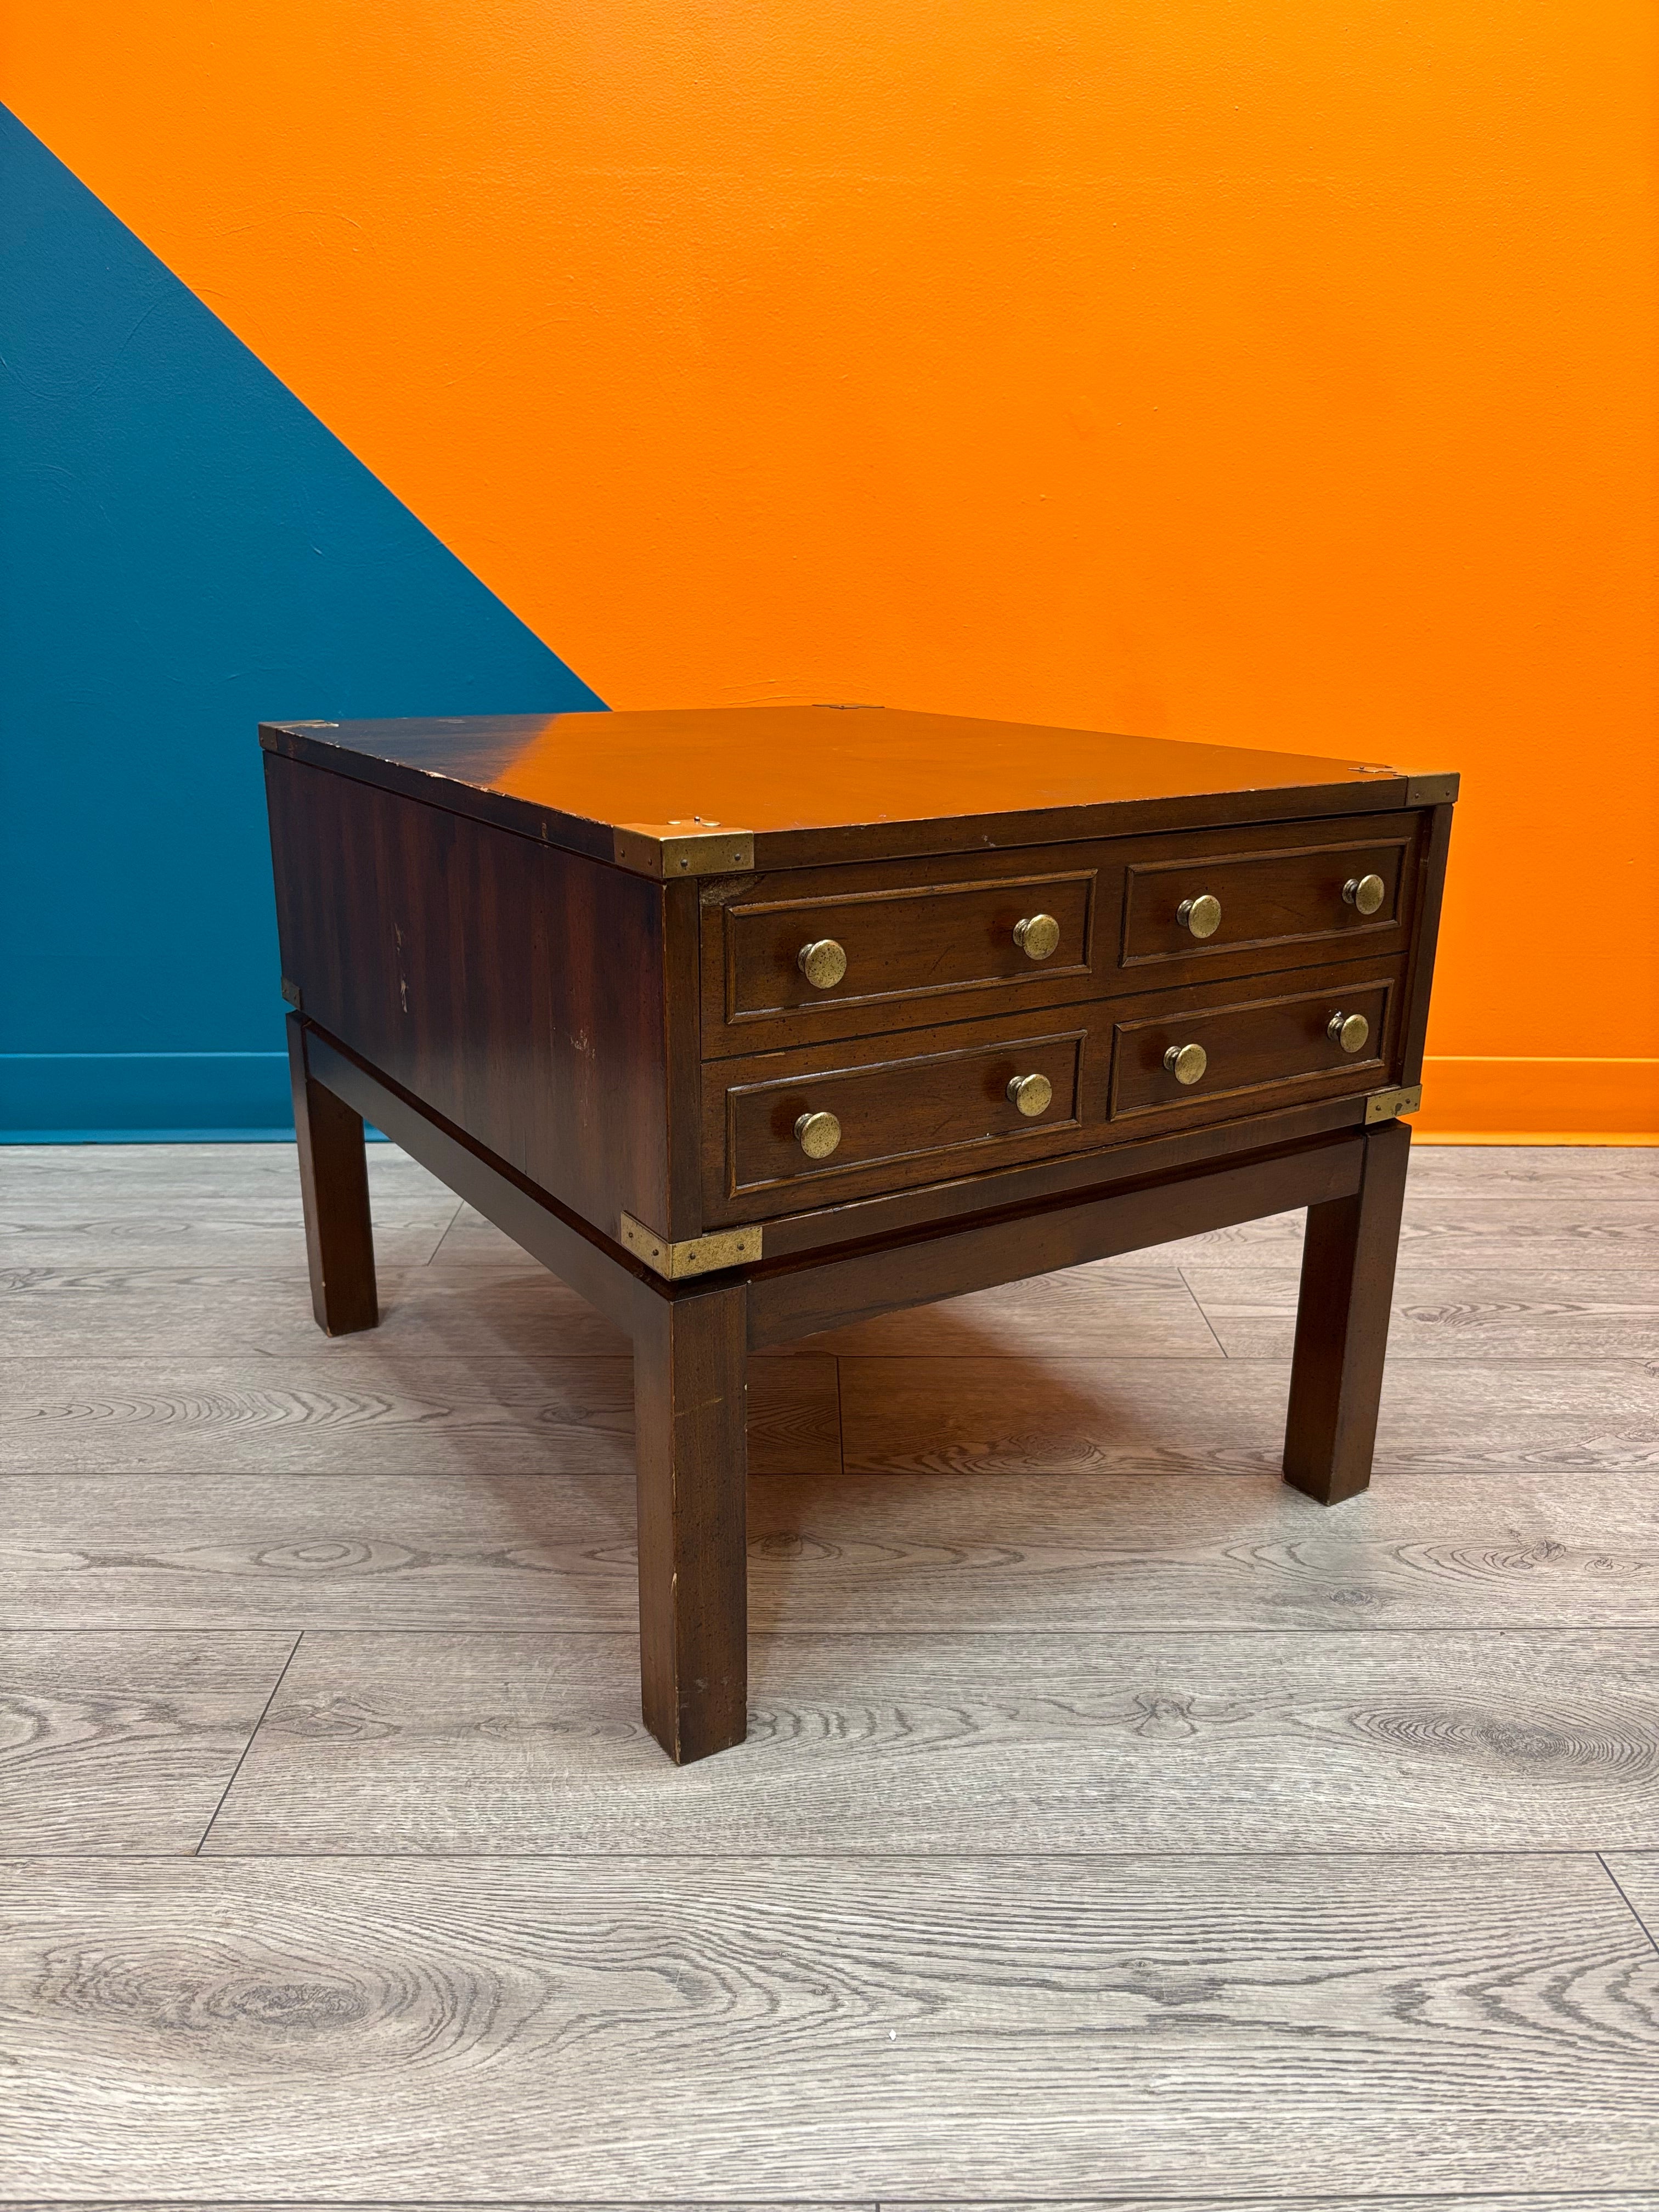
(820,1123)
(1199,1061)
(869,947)
(801,958)
(917,1116)
(1217,903)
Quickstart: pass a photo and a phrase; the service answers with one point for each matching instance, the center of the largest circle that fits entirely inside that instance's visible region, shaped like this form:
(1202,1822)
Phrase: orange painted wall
(1276,370)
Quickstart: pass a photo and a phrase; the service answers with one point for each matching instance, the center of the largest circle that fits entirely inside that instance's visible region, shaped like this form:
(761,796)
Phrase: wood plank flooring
(842,2026)
(1116,1827)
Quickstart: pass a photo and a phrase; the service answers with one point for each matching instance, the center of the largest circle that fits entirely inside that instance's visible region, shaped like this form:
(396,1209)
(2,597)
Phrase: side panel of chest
(515,988)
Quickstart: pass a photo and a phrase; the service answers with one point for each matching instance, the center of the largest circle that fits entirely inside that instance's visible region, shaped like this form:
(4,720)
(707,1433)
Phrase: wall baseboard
(143,1097)
(1477,1101)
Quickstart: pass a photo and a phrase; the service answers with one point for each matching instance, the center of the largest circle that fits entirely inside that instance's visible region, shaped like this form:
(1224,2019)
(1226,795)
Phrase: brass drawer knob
(1037,936)
(1365,892)
(1202,915)
(822,962)
(818,1135)
(1349,1030)
(1032,1094)
(1186,1062)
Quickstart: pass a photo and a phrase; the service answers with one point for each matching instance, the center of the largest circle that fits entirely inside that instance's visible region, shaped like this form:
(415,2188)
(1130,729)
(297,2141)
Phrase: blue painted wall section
(185,551)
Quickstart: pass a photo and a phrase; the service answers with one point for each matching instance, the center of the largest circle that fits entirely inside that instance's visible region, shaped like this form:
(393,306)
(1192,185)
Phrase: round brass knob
(1032,1094)
(1365,892)
(822,962)
(1349,1030)
(1202,915)
(1037,936)
(818,1135)
(1186,1062)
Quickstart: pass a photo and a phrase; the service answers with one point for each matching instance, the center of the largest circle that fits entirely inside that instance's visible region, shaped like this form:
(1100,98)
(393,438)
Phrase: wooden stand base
(692,1340)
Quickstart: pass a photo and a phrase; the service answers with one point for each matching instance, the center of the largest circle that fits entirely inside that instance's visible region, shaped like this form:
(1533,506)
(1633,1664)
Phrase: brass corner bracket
(1431,790)
(694,1256)
(669,849)
(1384,1105)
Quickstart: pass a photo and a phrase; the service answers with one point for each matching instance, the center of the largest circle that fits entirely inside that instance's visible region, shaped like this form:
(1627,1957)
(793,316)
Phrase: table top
(811,783)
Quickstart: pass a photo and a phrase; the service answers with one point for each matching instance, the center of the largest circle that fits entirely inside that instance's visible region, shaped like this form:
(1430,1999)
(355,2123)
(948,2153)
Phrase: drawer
(882,947)
(909,942)
(899,1118)
(935,1104)
(1198,905)
(919,1108)
(1198,1060)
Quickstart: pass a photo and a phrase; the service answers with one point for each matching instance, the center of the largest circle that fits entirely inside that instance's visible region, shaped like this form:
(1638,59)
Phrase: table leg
(1342,1325)
(334,1191)
(690,1362)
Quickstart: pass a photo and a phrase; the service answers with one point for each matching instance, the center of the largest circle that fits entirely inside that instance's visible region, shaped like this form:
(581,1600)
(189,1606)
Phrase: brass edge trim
(1430,790)
(694,1256)
(669,849)
(1384,1105)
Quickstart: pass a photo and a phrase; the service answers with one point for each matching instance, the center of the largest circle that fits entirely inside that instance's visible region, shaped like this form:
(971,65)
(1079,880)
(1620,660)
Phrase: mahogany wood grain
(1431,869)
(682,1032)
(613,1280)
(334,1191)
(1342,1324)
(930,940)
(1271,900)
(690,1387)
(933,1101)
(1263,1043)
(487,967)
(605,1275)
(800,1298)
(820,784)
(517,989)
(942,937)
(906,1116)
(858,1221)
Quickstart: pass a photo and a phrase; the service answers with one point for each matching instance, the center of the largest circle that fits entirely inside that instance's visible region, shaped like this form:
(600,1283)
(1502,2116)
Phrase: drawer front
(902,1119)
(1263,1043)
(936,1105)
(902,1111)
(903,944)
(930,941)
(1290,898)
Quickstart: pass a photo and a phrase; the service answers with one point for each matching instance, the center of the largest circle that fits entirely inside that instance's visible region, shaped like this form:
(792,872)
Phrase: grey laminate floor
(1114,1826)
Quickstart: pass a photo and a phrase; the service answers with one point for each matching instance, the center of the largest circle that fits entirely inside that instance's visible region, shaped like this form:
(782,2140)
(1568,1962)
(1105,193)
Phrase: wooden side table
(750,1024)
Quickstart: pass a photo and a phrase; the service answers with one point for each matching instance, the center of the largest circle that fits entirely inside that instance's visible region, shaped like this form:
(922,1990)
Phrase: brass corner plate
(694,1256)
(670,849)
(291,992)
(1384,1105)
(1430,790)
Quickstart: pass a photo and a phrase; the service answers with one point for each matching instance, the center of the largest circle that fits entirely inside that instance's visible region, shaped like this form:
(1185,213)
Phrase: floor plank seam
(1202,1315)
(387,1351)
(1611,2199)
(1141,1855)
(248,1745)
(1069,1633)
(1483,1472)
(1653,1939)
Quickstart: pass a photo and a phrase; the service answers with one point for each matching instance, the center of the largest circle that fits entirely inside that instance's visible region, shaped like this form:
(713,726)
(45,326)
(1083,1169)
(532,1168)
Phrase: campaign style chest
(750,1023)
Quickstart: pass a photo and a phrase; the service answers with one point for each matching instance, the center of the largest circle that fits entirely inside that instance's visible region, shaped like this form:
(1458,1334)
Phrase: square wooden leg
(334,1191)
(691,1383)
(1342,1325)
